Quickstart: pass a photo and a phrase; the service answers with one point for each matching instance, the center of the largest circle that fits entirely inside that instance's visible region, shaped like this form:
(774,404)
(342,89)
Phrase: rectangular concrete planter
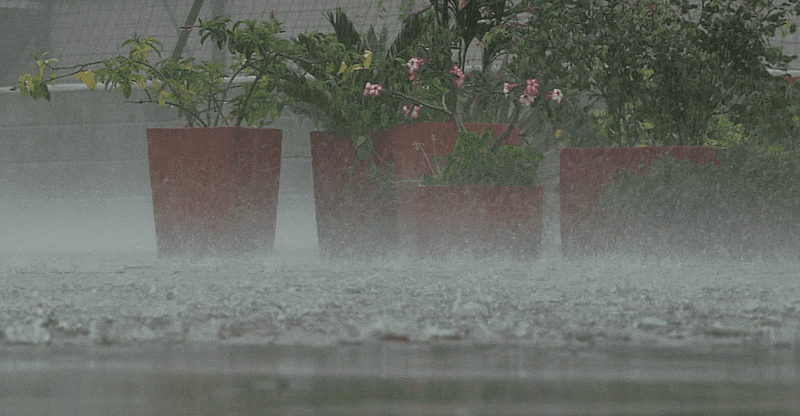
(482,221)
(357,215)
(215,189)
(586,172)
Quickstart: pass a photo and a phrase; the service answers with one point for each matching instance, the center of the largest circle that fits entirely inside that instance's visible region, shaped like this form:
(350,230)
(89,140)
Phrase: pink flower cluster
(414,65)
(458,73)
(531,92)
(373,90)
(412,110)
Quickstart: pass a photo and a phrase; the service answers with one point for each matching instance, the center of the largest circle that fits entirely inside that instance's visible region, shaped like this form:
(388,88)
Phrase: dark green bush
(748,207)
(477,160)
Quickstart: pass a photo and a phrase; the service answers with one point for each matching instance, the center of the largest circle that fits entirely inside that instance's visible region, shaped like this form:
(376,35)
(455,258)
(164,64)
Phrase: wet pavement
(395,378)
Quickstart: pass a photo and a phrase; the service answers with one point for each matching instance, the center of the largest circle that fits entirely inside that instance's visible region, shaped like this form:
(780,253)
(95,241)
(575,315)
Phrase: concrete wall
(74,175)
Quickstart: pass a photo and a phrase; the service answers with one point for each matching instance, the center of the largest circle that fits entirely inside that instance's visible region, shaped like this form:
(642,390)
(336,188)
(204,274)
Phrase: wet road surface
(392,378)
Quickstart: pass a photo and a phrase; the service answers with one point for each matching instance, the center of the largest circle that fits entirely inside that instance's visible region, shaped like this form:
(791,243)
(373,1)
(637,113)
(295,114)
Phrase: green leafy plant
(201,92)
(723,132)
(661,68)
(479,159)
(359,83)
(445,81)
(771,118)
(330,77)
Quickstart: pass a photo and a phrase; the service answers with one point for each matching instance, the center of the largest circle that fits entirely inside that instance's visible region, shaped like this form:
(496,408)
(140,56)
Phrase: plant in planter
(438,89)
(413,83)
(747,207)
(379,85)
(478,160)
(355,212)
(214,188)
(480,170)
(485,201)
(202,93)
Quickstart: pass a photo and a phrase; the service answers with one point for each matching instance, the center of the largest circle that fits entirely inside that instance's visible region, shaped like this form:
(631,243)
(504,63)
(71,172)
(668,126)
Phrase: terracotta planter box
(407,146)
(355,215)
(482,221)
(215,189)
(586,172)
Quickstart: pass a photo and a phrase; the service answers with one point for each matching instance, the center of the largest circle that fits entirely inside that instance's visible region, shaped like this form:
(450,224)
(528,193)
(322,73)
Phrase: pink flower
(414,64)
(461,78)
(531,92)
(532,87)
(555,95)
(373,90)
(412,111)
(508,87)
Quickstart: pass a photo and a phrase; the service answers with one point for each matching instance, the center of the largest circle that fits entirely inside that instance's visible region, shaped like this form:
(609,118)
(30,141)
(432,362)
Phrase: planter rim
(479,186)
(211,127)
(419,185)
(414,124)
(647,147)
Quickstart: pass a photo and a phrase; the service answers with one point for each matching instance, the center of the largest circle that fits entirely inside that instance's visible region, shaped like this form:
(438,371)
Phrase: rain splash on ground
(300,299)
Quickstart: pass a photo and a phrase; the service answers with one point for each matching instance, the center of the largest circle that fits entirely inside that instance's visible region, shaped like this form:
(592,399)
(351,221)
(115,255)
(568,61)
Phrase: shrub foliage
(482,160)
(749,206)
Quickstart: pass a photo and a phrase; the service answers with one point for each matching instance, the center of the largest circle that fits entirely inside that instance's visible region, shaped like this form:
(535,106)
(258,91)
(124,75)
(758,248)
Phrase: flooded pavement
(392,378)
(304,336)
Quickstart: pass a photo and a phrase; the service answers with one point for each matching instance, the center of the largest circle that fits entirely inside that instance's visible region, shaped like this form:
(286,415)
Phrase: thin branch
(423,103)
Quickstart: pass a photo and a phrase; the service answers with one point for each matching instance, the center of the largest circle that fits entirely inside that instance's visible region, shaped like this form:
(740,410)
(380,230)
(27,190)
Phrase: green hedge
(748,207)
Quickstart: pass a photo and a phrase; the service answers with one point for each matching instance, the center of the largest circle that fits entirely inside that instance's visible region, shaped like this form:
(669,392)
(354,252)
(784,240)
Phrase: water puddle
(397,379)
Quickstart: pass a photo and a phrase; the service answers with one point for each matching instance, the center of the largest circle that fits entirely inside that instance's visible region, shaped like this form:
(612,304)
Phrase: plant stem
(512,122)
(423,103)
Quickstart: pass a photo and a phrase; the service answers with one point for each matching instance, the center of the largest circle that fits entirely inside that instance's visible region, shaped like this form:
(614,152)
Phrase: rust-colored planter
(413,148)
(483,221)
(215,189)
(586,172)
(357,215)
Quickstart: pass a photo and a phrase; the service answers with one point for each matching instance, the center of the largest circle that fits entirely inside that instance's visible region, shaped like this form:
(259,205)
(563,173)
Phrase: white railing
(79,86)
(241,80)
